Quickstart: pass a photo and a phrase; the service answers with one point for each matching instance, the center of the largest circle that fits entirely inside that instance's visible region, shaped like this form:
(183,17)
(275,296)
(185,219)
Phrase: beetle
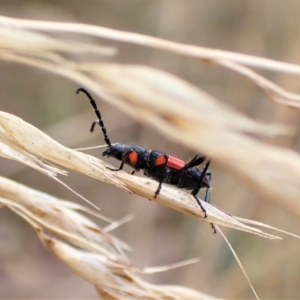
(158,165)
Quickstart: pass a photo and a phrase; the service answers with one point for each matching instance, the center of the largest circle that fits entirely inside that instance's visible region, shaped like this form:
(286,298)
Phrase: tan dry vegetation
(245,151)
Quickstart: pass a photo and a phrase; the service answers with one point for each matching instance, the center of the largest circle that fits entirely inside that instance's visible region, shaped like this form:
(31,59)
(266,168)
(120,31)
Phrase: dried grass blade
(239,262)
(29,139)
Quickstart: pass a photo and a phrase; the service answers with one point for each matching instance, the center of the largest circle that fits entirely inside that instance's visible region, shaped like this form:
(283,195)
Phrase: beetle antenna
(98,114)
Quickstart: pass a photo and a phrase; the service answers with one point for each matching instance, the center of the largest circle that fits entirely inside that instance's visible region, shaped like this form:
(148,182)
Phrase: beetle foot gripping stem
(201,206)
(213,227)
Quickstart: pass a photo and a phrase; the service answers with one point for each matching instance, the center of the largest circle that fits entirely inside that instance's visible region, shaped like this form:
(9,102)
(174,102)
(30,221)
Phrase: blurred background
(158,235)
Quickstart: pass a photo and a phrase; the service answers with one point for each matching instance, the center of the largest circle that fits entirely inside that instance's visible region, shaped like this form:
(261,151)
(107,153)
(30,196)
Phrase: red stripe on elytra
(175,163)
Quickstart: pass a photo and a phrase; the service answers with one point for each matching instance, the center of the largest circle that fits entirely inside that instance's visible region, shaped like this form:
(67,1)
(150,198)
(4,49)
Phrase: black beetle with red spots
(158,165)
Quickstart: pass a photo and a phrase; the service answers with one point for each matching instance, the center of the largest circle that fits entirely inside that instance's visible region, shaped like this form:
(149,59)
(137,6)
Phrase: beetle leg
(166,173)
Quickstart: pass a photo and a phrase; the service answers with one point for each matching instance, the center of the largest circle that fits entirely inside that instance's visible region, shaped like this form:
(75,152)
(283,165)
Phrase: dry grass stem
(230,60)
(98,257)
(240,264)
(177,109)
(39,151)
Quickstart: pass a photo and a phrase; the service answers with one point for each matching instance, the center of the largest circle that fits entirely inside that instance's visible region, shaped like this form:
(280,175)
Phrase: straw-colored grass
(179,110)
